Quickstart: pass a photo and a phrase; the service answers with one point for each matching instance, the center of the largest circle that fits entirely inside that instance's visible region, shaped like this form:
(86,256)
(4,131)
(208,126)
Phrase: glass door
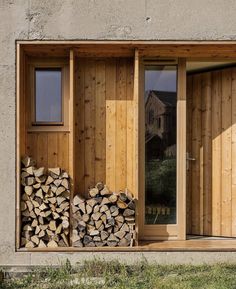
(160,203)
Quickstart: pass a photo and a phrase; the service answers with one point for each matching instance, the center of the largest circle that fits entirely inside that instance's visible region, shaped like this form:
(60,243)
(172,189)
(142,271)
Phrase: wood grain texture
(111,123)
(189,143)
(100,121)
(233,151)
(104,123)
(207,152)
(216,153)
(195,153)
(226,212)
(212,190)
(79,151)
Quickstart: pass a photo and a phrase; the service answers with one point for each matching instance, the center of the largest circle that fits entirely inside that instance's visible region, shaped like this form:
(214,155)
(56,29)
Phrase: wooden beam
(193,49)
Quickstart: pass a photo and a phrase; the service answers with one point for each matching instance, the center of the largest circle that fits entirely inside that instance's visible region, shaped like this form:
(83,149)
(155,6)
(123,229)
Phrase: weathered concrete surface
(92,19)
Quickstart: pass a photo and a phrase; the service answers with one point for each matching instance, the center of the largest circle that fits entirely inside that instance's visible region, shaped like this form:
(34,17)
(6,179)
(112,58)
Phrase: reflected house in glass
(160,119)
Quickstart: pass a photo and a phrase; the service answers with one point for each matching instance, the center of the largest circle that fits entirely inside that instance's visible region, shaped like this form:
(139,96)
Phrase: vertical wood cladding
(104,125)
(211,136)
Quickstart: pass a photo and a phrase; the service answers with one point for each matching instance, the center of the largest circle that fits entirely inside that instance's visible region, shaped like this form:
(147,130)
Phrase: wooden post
(71,128)
(136,137)
(181,149)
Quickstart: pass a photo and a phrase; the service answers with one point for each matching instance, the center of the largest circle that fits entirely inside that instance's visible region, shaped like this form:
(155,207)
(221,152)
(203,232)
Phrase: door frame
(170,231)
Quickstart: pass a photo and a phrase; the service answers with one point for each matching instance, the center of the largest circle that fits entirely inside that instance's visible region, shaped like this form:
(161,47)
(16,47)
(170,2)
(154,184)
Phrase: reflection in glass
(160,144)
(48,95)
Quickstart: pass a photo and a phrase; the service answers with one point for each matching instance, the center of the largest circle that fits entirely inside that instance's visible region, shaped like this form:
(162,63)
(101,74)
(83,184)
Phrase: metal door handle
(188,159)
(191,159)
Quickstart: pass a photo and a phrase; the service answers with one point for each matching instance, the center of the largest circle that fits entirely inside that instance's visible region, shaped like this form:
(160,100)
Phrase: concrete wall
(92,19)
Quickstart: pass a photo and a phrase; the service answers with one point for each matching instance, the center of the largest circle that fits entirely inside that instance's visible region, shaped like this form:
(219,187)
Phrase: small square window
(48,96)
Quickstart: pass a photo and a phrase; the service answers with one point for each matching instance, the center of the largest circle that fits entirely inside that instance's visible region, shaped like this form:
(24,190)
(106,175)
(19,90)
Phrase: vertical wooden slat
(201,197)
(89,121)
(100,122)
(216,153)
(71,113)
(79,128)
(42,150)
(130,138)
(234,152)
(31,145)
(71,139)
(111,123)
(181,149)
(189,150)
(196,144)
(207,153)
(138,94)
(226,211)
(62,149)
(52,150)
(121,105)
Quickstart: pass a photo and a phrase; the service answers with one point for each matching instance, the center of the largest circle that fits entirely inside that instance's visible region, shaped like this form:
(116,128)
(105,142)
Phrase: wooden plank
(121,116)
(226,212)
(216,153)
(71,140)
(100,122)
(196,144)
(63,150)
(52,150)
(71,113)
(189,150)
(42,150)
(130,135)
(89,122)
(181,149)
(79,127)
(234,152)
(111,123)
(201,193)
(31,145)
(207,153)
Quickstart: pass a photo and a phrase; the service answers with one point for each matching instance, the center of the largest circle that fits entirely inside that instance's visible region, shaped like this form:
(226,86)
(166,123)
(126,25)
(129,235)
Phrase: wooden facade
(104,136)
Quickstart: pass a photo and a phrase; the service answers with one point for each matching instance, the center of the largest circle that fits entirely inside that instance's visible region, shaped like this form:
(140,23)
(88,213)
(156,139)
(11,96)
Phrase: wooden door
(211,141)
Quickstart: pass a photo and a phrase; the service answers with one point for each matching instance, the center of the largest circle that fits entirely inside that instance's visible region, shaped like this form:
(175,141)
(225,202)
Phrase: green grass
(115,275)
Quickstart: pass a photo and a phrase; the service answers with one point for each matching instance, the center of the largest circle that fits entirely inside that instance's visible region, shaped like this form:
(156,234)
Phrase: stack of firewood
(44,206)
(103,219)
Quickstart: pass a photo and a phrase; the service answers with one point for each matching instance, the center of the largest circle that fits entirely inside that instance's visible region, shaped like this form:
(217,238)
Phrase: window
(48,96)
(151,116)
(160,146)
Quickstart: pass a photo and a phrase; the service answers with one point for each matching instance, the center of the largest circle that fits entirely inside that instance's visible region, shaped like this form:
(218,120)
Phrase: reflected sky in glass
(162,80)
(48,95)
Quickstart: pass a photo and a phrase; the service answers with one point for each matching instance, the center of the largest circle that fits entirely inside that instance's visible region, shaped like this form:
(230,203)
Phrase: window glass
(160,144)
(48,95)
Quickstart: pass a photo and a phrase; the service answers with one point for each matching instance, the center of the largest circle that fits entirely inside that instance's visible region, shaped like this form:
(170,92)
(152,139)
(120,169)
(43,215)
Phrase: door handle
(189,159)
